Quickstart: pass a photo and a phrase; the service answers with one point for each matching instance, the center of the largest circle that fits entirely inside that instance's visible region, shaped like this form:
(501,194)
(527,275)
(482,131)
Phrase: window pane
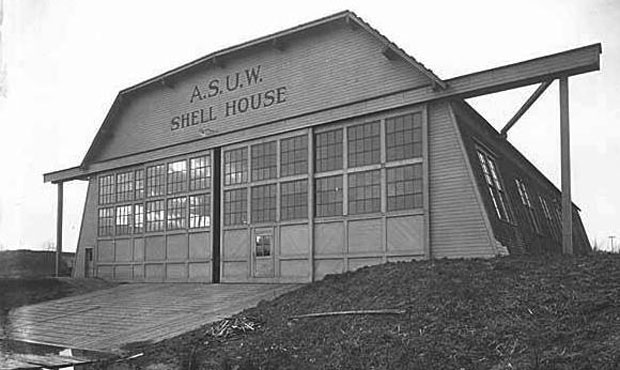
(403,137)
(106,221)
(155,180)
(200,173)
(138,219)
(365,192)
(294,156)
(155,215)
(235,207)
(139,184)
(106,189)
(124,186)
(364,144)
(264,162)
(404,187)
(328,151)
(177,210)
(263,245)
(328,196)
(263,203)
(496,191)
(123,219)
(177,177)
(294,200)
(236,166)
(199,211)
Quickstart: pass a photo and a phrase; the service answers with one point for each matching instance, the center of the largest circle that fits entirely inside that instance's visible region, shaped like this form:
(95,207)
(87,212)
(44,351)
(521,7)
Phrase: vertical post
(567,212)
(59,229)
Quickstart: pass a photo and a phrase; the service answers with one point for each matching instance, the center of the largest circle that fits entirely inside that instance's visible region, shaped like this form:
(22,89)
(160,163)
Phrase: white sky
(65,61)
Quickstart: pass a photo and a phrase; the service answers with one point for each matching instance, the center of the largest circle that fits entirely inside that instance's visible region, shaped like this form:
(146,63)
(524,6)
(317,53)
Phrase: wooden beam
(59,228)
(567,63)
(567,209)
(528,103)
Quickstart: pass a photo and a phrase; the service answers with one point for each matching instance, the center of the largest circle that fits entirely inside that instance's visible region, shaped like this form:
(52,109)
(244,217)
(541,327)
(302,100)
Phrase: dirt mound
(509,313)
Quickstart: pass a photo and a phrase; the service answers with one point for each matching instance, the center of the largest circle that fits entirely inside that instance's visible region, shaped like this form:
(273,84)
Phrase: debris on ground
(229,327)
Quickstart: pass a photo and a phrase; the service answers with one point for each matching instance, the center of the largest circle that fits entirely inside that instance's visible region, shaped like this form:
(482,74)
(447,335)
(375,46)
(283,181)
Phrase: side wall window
(496,190)
(529,208)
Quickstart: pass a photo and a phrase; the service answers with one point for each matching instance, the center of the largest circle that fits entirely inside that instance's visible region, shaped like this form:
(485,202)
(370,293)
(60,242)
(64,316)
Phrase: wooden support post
(567,204)
(59,229)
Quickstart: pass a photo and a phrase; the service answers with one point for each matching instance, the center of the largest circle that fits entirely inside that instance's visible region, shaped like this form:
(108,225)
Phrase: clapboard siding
(327,68)
(88,228)
(457,226)
(511,165)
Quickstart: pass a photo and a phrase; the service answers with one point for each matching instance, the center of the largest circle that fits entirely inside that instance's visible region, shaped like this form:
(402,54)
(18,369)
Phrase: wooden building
(315,150)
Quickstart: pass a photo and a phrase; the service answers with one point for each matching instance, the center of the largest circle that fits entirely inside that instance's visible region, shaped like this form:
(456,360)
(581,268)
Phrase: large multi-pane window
(403,137)
(264,161)
(328,199)
(139,184)
(177,177)
(138,218)
(106,189)
(235,207)
(200,173)
(294,156)
(156,180)
(365,192)
(263,206)
(124,186)
(527,204)
(199,211)
(176,213)
(123,220)
(106,221)
(294,200)
(236,166)
(364,144)
(155,215)
(328,150)
(496,190)
(404,187)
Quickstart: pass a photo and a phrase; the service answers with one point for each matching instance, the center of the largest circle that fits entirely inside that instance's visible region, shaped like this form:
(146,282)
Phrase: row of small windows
(403,140)
(171,178)
(404,191)
(159,215)
(498,197)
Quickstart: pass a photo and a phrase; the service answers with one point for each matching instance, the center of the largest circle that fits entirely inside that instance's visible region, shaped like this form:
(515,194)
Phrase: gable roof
(390,50)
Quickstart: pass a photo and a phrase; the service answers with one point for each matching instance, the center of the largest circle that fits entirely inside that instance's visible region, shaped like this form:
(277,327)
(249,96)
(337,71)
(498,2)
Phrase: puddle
(24,355)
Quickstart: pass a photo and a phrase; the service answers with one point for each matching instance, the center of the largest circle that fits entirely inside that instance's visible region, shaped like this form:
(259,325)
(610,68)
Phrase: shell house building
(312,151)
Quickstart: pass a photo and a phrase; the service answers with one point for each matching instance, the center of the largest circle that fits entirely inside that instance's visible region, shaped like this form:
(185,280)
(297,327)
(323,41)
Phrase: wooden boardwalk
(107,319)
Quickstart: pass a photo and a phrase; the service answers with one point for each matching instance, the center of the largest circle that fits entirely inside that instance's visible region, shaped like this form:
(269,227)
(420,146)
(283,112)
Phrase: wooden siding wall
(519,235)
(457,219)
(88,228)
(327,68)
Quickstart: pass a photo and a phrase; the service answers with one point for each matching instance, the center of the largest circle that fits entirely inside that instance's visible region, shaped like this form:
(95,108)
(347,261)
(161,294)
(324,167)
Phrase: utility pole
(611,242)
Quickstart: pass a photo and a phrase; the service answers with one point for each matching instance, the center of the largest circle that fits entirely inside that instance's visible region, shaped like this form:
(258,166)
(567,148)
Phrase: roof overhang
(568,63)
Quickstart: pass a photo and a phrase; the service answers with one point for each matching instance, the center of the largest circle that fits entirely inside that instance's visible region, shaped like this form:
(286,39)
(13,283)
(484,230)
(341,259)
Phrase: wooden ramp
(108,319)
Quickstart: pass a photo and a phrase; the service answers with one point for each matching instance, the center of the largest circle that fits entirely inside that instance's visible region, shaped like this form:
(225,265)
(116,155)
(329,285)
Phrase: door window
(263,245)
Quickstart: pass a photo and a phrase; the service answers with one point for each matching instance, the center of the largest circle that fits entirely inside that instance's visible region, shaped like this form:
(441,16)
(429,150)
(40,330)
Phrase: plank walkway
(106,320)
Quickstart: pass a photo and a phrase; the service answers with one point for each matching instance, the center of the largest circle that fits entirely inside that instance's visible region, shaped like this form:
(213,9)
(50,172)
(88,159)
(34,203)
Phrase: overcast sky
(63,63)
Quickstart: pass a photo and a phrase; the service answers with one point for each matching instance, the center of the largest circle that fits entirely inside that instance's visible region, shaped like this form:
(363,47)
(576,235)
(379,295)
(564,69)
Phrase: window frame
(494,185)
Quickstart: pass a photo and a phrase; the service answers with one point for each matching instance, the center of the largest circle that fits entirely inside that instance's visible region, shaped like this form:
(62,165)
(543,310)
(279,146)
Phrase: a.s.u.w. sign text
(220,87)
